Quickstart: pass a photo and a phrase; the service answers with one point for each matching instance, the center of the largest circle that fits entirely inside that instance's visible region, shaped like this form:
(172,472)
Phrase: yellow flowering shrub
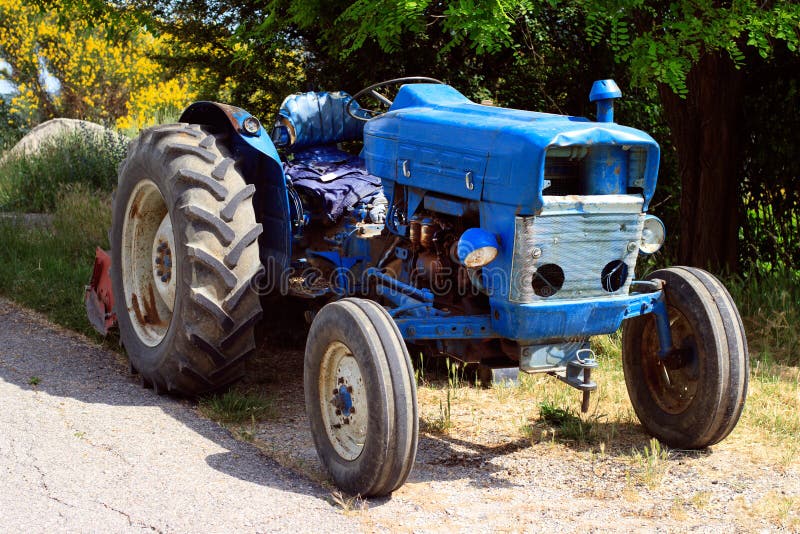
(105,76)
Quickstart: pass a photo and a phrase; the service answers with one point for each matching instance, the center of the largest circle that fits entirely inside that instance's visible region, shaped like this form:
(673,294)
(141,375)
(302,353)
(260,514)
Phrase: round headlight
(251,125)
(653,235)
(476,248)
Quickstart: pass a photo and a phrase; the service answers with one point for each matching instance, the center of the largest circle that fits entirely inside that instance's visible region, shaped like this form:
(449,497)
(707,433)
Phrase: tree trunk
(705,131)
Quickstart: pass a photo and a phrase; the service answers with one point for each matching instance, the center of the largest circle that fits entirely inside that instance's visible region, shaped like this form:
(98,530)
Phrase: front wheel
(693,398)
(361,397)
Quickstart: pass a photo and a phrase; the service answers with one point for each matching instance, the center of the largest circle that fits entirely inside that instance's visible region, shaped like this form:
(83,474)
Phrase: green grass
(46,268)
(236,407)
(33,183)
(770,308)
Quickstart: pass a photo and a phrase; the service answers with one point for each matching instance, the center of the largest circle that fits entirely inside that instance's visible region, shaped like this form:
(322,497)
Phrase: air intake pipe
(604,92)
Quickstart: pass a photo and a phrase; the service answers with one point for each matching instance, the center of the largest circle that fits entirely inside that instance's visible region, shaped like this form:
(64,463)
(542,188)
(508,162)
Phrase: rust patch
(150,310)
(137,310)
(134,208)
(150,315)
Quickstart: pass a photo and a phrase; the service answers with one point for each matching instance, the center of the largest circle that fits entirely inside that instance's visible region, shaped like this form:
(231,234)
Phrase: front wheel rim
(673,388)
(149,263)
(343,401)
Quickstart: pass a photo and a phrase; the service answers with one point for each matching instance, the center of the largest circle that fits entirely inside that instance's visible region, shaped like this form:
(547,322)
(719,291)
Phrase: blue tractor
(497,237)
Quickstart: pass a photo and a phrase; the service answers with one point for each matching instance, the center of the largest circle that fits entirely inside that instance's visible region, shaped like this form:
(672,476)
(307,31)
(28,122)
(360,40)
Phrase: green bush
(33,182)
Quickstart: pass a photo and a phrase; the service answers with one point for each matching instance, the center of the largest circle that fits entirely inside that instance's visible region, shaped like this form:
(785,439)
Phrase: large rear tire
(361,397)
(694,398)
(185,253)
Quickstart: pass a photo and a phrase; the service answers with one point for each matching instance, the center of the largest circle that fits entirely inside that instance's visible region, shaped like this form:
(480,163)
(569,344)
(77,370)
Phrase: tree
(697,53)
(691,51)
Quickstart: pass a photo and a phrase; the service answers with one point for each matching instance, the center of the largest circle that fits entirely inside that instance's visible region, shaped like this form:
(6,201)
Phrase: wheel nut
(159,272)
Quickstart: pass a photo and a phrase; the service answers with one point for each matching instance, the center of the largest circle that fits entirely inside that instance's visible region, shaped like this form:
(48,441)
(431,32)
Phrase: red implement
(99,299)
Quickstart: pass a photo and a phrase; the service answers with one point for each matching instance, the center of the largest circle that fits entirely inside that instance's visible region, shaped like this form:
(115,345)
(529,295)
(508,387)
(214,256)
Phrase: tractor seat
(308,120)
(330,181)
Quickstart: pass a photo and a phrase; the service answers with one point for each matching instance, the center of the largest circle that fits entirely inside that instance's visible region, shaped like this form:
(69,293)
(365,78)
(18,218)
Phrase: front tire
(361,397)
(692,400)
(185,252)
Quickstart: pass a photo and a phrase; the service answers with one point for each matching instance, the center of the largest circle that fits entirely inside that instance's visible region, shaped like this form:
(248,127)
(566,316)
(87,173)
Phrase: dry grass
(543,410)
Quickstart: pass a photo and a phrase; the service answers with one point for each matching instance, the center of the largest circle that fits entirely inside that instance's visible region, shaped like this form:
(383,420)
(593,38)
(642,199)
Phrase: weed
(700,499)
(34,381)
(238,407)
(349,505)
(768,304)
(565,423)
(653,463)
(249,433)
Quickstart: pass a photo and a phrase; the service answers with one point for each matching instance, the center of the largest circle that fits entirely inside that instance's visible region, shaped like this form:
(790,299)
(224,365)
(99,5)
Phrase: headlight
(653,235)
(477,248)
(251,126)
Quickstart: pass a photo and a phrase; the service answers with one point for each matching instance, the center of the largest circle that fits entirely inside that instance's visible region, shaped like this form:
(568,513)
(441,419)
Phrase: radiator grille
(582,238)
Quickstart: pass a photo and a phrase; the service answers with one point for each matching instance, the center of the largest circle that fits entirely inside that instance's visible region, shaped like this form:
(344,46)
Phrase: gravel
(87,449)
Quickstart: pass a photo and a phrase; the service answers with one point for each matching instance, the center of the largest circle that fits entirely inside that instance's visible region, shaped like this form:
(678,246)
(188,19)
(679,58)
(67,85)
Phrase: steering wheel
(372,91)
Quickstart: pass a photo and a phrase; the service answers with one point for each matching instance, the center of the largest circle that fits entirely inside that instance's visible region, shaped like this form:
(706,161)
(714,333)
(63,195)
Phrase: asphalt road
(87,450)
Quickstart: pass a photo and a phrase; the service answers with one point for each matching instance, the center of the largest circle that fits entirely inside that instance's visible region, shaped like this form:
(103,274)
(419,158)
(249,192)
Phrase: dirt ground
(480,476)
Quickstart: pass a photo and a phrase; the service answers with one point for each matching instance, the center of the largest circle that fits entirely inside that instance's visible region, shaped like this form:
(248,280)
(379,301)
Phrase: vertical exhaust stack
(604,92)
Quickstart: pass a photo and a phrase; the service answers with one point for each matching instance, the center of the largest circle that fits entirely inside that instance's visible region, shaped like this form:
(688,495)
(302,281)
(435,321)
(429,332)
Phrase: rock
(55,128)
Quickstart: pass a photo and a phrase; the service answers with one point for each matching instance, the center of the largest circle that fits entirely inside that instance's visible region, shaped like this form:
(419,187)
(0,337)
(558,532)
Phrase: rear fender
(261,166)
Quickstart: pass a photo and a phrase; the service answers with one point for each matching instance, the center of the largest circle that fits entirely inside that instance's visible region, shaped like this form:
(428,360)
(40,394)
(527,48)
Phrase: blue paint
(454,327)
(556,319)
(439,136)
(606,171)
(260,164)
(316,119)
(456,208)
(474,239)
(604,92)
(347,400)
(663,328)
(424,295)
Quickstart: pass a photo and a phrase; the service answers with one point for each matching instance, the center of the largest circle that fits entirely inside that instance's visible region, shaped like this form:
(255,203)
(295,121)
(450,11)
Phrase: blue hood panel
(435,138)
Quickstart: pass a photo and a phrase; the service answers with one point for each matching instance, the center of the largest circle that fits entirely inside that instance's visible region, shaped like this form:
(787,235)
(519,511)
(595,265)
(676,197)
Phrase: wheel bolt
(160,272)
(338,412)
(158,261)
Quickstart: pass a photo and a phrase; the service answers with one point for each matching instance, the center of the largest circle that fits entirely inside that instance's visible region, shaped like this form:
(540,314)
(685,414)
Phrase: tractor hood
(434,138)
